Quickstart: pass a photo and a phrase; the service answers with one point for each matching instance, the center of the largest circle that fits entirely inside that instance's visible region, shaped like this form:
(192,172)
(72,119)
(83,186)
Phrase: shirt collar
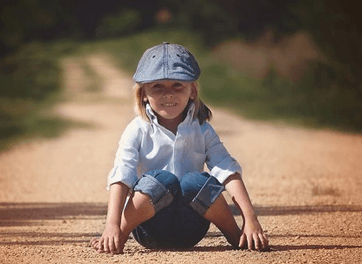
(153,118)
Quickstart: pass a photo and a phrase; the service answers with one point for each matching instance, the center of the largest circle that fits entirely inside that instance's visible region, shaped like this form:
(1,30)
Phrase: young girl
(161,157)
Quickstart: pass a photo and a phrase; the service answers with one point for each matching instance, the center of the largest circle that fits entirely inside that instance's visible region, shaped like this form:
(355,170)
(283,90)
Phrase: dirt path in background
(305,185)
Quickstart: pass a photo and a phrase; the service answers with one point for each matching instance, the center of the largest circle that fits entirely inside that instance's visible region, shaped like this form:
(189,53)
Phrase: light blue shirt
(146,146)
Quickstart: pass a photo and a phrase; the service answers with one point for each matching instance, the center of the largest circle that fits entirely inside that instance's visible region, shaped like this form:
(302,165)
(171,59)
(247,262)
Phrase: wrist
(112,223)
(250,216)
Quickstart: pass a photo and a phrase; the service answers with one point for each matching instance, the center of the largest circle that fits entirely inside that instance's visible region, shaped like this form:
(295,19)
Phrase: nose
(168,93)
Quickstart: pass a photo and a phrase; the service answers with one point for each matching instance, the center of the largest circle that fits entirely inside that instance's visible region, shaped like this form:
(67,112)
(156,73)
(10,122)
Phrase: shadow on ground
(29,214)
(23,213)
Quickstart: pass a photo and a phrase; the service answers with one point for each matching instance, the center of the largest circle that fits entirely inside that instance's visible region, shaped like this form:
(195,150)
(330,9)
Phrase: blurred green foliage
(124,22)
(29,87)
(336,26)
(330,95)
(312,102)
(304,103)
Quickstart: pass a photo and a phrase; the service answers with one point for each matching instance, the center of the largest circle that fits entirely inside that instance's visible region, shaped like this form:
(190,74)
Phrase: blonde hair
(202,112)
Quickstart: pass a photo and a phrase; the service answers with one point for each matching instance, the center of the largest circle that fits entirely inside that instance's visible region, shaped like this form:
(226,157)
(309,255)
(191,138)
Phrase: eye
(157,86)
(178,85)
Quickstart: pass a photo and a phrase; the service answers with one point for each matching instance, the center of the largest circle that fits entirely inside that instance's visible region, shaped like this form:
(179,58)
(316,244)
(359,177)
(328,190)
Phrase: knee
(192,183)
(200,190)
(167,179)
(161,186)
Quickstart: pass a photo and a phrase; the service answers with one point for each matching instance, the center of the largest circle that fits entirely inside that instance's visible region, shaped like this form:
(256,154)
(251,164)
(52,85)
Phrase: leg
(161,189)
(138,210)
(220,215)
(204,194)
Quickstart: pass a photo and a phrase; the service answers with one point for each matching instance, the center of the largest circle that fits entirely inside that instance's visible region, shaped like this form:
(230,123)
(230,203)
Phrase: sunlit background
(296,61)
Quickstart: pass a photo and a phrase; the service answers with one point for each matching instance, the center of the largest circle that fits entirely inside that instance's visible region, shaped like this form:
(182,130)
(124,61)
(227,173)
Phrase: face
(168,99)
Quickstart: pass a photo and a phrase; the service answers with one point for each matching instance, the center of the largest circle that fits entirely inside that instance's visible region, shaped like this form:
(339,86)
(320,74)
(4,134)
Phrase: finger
(257,242)
(100,250)
(111,245)
(117,245)
(94,244)
(262,241)
(265,241)
(106,245)
(242,242)
(99,246)
(250,242)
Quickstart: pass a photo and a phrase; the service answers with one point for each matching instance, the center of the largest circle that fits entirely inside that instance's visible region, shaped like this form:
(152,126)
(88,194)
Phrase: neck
(171,124)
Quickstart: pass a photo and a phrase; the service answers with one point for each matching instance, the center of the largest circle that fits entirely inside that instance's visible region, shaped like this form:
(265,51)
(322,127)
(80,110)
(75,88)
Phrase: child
(161,158)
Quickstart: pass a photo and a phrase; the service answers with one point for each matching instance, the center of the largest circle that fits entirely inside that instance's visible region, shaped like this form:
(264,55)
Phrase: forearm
(236,188)
(253,236)
(110,241)
(117,199)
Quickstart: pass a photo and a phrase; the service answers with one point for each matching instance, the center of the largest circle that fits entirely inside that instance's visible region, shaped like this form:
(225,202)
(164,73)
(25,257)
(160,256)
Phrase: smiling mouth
(169,104)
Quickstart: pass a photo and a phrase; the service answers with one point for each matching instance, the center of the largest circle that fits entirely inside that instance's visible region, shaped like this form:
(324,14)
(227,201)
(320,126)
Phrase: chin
(169,116)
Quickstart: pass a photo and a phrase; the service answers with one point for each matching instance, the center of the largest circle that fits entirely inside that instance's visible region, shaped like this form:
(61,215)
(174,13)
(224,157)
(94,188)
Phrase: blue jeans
(179,205)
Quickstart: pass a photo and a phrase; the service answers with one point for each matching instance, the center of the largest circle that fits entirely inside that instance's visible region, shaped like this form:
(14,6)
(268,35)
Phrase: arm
(110,240)
(119,180)
(252,236)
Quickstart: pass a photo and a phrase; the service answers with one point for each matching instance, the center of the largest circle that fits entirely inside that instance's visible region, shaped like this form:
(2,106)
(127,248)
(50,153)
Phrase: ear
(144,97)
(193,94)
(141,96)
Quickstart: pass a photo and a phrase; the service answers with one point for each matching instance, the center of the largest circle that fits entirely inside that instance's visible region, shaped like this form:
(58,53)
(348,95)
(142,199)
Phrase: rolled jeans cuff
(209,192)
(160,196)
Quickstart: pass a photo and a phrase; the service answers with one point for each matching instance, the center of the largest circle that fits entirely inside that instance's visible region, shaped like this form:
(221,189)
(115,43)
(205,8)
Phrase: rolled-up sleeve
(220,163)
(127,157)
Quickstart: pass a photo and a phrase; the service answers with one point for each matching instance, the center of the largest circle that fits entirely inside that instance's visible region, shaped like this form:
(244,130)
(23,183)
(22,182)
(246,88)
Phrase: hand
(252,236)
(110,242)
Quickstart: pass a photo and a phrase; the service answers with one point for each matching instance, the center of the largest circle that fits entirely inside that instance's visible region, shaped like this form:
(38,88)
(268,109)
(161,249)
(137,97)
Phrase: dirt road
(305,185)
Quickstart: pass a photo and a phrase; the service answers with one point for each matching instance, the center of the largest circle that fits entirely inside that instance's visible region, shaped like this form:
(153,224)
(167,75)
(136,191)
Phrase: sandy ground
(305,185)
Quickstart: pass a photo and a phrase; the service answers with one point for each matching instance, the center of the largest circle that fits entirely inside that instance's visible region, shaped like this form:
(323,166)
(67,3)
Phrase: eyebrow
(157,85)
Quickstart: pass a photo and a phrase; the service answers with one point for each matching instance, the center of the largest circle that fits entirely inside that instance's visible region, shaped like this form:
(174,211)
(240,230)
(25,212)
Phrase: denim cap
(167,62)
